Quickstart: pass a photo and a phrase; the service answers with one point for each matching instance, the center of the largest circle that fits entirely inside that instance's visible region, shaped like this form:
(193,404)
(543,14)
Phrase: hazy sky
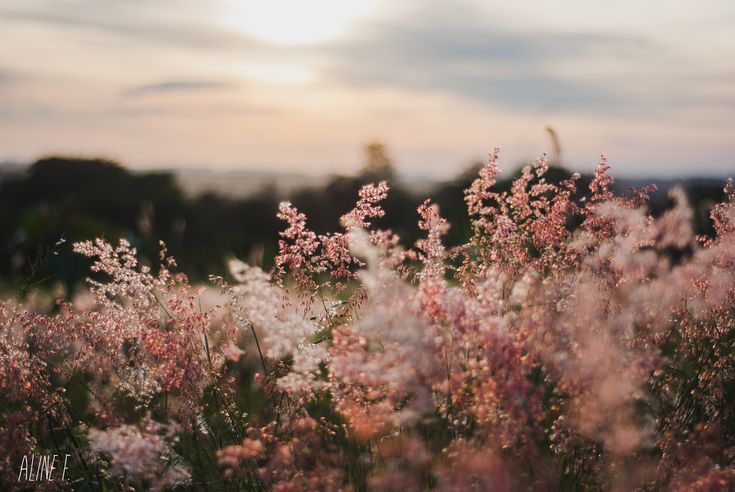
(300,85)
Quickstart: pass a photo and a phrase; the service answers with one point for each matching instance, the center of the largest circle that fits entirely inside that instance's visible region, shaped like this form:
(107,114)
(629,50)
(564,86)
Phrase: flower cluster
(140,455)
(575,341)
(307,255)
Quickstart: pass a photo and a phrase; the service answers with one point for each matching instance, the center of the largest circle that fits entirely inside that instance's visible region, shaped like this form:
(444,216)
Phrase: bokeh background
(188,121)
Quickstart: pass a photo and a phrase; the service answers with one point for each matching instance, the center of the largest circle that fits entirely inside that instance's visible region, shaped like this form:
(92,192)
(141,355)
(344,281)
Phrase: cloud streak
(457,51)
(176,86)
(131,22)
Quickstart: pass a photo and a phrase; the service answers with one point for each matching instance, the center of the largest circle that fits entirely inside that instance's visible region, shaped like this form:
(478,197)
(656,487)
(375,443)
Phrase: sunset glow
(294,22)
(225,85)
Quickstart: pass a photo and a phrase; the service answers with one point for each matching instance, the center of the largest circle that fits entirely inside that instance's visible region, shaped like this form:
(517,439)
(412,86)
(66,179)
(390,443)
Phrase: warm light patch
(298,21)
(272,73)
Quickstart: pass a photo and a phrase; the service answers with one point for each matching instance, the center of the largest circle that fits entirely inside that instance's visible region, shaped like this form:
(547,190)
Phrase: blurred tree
(79,199)
(378,165)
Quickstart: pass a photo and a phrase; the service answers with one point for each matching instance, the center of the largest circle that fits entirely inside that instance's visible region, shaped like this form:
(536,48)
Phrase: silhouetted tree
(378,165)
(78,199)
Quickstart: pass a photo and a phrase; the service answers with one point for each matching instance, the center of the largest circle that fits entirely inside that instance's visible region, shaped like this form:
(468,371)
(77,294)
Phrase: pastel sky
(291,85)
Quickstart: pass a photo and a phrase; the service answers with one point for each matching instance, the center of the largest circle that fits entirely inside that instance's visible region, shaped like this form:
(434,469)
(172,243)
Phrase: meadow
(573,342)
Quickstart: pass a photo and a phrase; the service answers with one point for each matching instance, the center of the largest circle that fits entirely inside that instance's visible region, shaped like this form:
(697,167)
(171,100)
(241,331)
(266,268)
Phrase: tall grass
(570,344)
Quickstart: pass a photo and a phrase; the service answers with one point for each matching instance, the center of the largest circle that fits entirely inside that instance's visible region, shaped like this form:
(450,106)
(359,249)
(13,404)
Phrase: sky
(296,86)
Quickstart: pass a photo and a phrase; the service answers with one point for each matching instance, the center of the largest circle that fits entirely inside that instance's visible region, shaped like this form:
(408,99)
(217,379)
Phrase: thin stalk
(260,352)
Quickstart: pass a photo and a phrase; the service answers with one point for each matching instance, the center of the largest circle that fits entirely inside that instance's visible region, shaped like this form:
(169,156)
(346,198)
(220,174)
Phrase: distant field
(239,184)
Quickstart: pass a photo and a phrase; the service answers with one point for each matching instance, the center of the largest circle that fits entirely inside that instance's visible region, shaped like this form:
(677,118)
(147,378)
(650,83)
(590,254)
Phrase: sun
(293,22)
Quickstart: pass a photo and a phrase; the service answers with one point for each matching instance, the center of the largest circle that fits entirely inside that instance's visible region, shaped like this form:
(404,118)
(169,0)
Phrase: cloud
(170,86)
(52,114)
(435,47)
(6,76)
(129,111)
(133,21)
(459,51)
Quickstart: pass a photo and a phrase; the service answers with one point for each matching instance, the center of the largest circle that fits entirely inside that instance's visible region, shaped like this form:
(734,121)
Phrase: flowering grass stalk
(569,344)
